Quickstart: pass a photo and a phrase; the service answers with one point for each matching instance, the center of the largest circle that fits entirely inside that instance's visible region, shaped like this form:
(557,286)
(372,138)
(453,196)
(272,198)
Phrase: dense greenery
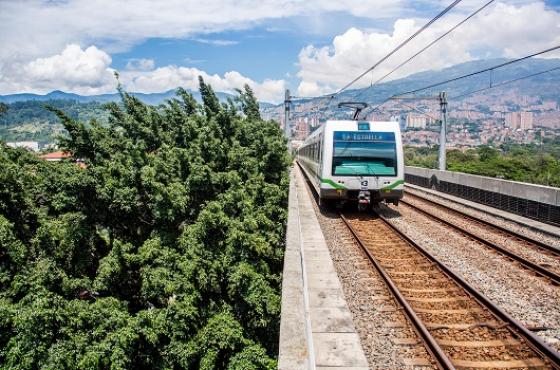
(164,252)
(31,120)
(537,164)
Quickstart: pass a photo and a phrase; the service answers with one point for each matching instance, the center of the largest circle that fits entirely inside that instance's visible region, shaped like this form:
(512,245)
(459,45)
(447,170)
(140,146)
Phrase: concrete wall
(536,193)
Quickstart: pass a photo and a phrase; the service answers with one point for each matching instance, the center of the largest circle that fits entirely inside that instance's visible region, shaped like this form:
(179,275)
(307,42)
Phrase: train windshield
(364,154)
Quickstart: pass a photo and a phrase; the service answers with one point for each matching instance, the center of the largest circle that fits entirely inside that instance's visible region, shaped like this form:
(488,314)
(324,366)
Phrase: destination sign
(364,136)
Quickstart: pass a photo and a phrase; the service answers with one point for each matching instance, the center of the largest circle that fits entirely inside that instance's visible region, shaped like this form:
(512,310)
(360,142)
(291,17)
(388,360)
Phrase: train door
(321,146)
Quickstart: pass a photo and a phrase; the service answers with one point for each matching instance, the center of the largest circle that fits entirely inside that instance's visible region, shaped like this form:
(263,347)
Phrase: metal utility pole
(442,134)
(443,105)
(287,103)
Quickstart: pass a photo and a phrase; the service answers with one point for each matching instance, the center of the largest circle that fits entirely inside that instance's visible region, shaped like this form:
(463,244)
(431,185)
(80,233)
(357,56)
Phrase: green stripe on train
(393,185)
(342,187)
(333,184)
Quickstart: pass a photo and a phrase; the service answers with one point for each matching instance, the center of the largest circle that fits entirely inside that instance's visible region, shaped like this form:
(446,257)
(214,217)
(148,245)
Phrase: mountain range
(148,98)
(544,86)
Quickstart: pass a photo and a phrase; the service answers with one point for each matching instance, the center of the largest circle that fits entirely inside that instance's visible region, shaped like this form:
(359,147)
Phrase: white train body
(355,160)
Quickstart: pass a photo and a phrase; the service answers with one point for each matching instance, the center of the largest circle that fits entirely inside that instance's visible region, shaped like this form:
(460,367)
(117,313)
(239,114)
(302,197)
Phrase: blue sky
(309,46)
(268,50)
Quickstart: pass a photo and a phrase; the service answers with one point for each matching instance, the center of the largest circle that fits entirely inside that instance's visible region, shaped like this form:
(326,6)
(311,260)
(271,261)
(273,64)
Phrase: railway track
(460,327)
(541,258)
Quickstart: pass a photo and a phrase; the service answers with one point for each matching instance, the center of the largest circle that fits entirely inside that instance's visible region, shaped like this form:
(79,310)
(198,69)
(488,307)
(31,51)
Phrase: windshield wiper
(370,170)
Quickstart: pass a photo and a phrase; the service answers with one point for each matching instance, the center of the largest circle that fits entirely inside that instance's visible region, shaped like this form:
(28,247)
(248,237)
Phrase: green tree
(249,103)
(163,252)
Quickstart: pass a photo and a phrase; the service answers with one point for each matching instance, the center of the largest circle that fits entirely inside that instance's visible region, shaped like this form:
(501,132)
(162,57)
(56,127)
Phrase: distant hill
(546,86)
(151,98)
(155,98)
(543,87)
(27,119)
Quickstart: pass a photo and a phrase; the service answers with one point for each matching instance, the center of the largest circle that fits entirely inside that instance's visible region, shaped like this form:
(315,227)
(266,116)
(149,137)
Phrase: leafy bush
(526,163)
(164,252)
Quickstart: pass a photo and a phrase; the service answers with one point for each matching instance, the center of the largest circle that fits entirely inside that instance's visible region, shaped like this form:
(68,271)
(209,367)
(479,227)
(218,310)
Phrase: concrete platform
(316,328)
(520,220)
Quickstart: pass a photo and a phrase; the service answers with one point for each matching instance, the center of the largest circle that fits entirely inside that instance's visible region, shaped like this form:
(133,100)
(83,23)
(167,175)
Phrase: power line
(479,72)
(428,46)
(441,14)
(465,76)
(332,95)
(506,82)
(418,110)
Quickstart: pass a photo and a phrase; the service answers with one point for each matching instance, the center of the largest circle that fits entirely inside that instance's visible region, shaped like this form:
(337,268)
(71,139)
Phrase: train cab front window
(364,154)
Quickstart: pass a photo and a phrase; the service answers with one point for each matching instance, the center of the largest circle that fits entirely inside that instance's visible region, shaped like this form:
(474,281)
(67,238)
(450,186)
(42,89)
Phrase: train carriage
(355,161)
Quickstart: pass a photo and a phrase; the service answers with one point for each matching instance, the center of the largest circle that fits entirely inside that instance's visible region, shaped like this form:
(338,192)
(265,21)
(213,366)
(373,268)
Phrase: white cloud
(88,72)
(34,31)
(140,64)
(216,42)
(35,28)
(35,34)
(503,30)
(82,71)
(170,77)
(312,88)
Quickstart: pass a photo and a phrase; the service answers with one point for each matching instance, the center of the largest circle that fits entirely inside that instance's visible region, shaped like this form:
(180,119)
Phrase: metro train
(355,161)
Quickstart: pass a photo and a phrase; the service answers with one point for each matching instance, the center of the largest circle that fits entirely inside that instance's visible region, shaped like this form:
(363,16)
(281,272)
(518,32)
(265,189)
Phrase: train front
(366,165)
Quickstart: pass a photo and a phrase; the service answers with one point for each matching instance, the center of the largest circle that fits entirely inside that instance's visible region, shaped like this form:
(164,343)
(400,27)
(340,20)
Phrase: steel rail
(476,206)
(432,346)
(526,238)
(551,356)
(537,344)
(554,277)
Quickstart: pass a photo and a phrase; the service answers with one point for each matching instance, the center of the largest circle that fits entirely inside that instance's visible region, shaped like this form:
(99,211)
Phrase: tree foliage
(29,120)
(537,164)
(164,252)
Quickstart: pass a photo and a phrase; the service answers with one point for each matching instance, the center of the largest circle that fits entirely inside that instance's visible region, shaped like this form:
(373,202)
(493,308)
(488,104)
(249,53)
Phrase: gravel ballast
(532,233)
(528,298)
(388,338)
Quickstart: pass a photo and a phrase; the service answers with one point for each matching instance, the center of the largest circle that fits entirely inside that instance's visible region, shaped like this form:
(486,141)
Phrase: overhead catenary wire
(462,77)
(402,44)
(418,110)
(427,46)
(492,86)
(479,72)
